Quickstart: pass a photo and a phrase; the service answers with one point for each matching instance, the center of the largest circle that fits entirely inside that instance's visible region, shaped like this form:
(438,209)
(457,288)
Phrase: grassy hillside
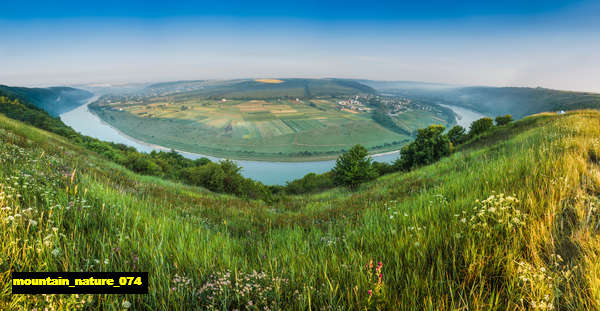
(510,221)
(54,100)
(518,101)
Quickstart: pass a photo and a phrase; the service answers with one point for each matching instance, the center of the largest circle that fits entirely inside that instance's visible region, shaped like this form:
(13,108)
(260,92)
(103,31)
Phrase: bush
(141,163)
(383,168)
(457,135)
(503,120)
(429,146)
(480,126)
(310,183)
(354,167)
(211,176)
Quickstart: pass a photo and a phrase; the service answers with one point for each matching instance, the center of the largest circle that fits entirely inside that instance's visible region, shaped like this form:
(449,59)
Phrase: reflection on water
(270,173)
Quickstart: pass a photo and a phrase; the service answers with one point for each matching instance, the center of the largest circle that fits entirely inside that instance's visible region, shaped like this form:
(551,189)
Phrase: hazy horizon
(549,44)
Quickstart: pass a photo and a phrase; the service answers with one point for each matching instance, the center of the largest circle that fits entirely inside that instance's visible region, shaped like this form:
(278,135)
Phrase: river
(464,116)
(269,173)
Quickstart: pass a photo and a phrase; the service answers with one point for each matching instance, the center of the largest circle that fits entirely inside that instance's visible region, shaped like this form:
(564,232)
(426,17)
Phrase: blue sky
(525,43)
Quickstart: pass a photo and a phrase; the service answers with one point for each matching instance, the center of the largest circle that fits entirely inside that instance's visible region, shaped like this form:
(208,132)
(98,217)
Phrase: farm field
(263,129)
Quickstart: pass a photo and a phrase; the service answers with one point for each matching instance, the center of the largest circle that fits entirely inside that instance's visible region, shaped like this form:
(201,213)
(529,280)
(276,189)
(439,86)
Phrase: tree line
(430,145)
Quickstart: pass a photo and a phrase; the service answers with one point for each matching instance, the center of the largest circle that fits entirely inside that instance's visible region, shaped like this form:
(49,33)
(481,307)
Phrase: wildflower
(370,292)
(126,304)
(55,252)
(54,229)
(32,223)
(106,261)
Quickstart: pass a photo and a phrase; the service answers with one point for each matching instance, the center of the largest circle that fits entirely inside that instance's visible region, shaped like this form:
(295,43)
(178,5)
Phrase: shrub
(210,176)
(310,183)
(480,126)
(383,168)
(141,163)
(457,135)
(503,120)
(429,146)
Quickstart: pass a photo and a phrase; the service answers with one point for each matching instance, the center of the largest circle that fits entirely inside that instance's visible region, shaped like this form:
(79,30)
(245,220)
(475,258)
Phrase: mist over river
(269,173)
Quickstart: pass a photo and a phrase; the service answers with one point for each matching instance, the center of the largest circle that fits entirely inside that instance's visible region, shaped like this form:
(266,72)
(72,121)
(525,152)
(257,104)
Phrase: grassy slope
(320,244)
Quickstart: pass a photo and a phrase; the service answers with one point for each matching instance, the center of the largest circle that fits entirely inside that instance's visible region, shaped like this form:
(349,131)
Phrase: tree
(429,146)
(457,135)
(233,179)
(480,126)
(354,167)
(503,120)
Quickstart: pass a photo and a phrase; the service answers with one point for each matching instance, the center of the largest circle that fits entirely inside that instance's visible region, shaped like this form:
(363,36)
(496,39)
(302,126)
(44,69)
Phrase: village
(395,105)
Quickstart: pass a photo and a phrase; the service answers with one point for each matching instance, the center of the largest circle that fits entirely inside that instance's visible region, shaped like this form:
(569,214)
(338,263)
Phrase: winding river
(269,173)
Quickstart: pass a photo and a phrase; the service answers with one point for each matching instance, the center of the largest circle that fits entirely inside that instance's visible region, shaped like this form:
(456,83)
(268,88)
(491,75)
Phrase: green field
(279,128)
(508,222)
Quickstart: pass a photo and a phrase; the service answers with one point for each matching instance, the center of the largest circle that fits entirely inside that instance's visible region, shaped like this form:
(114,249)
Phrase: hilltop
(508,221)
(54,100)
(517,101)
(260,88)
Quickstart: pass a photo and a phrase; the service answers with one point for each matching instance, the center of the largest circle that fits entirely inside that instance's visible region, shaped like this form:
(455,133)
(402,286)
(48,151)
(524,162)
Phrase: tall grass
(510,221)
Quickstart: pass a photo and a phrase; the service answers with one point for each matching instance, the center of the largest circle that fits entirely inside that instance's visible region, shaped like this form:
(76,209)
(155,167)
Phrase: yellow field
(269,81)
(348,110)
(284,111)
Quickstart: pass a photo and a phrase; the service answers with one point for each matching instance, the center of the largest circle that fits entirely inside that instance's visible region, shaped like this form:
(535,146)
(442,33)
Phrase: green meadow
(270,129)
(508,221)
